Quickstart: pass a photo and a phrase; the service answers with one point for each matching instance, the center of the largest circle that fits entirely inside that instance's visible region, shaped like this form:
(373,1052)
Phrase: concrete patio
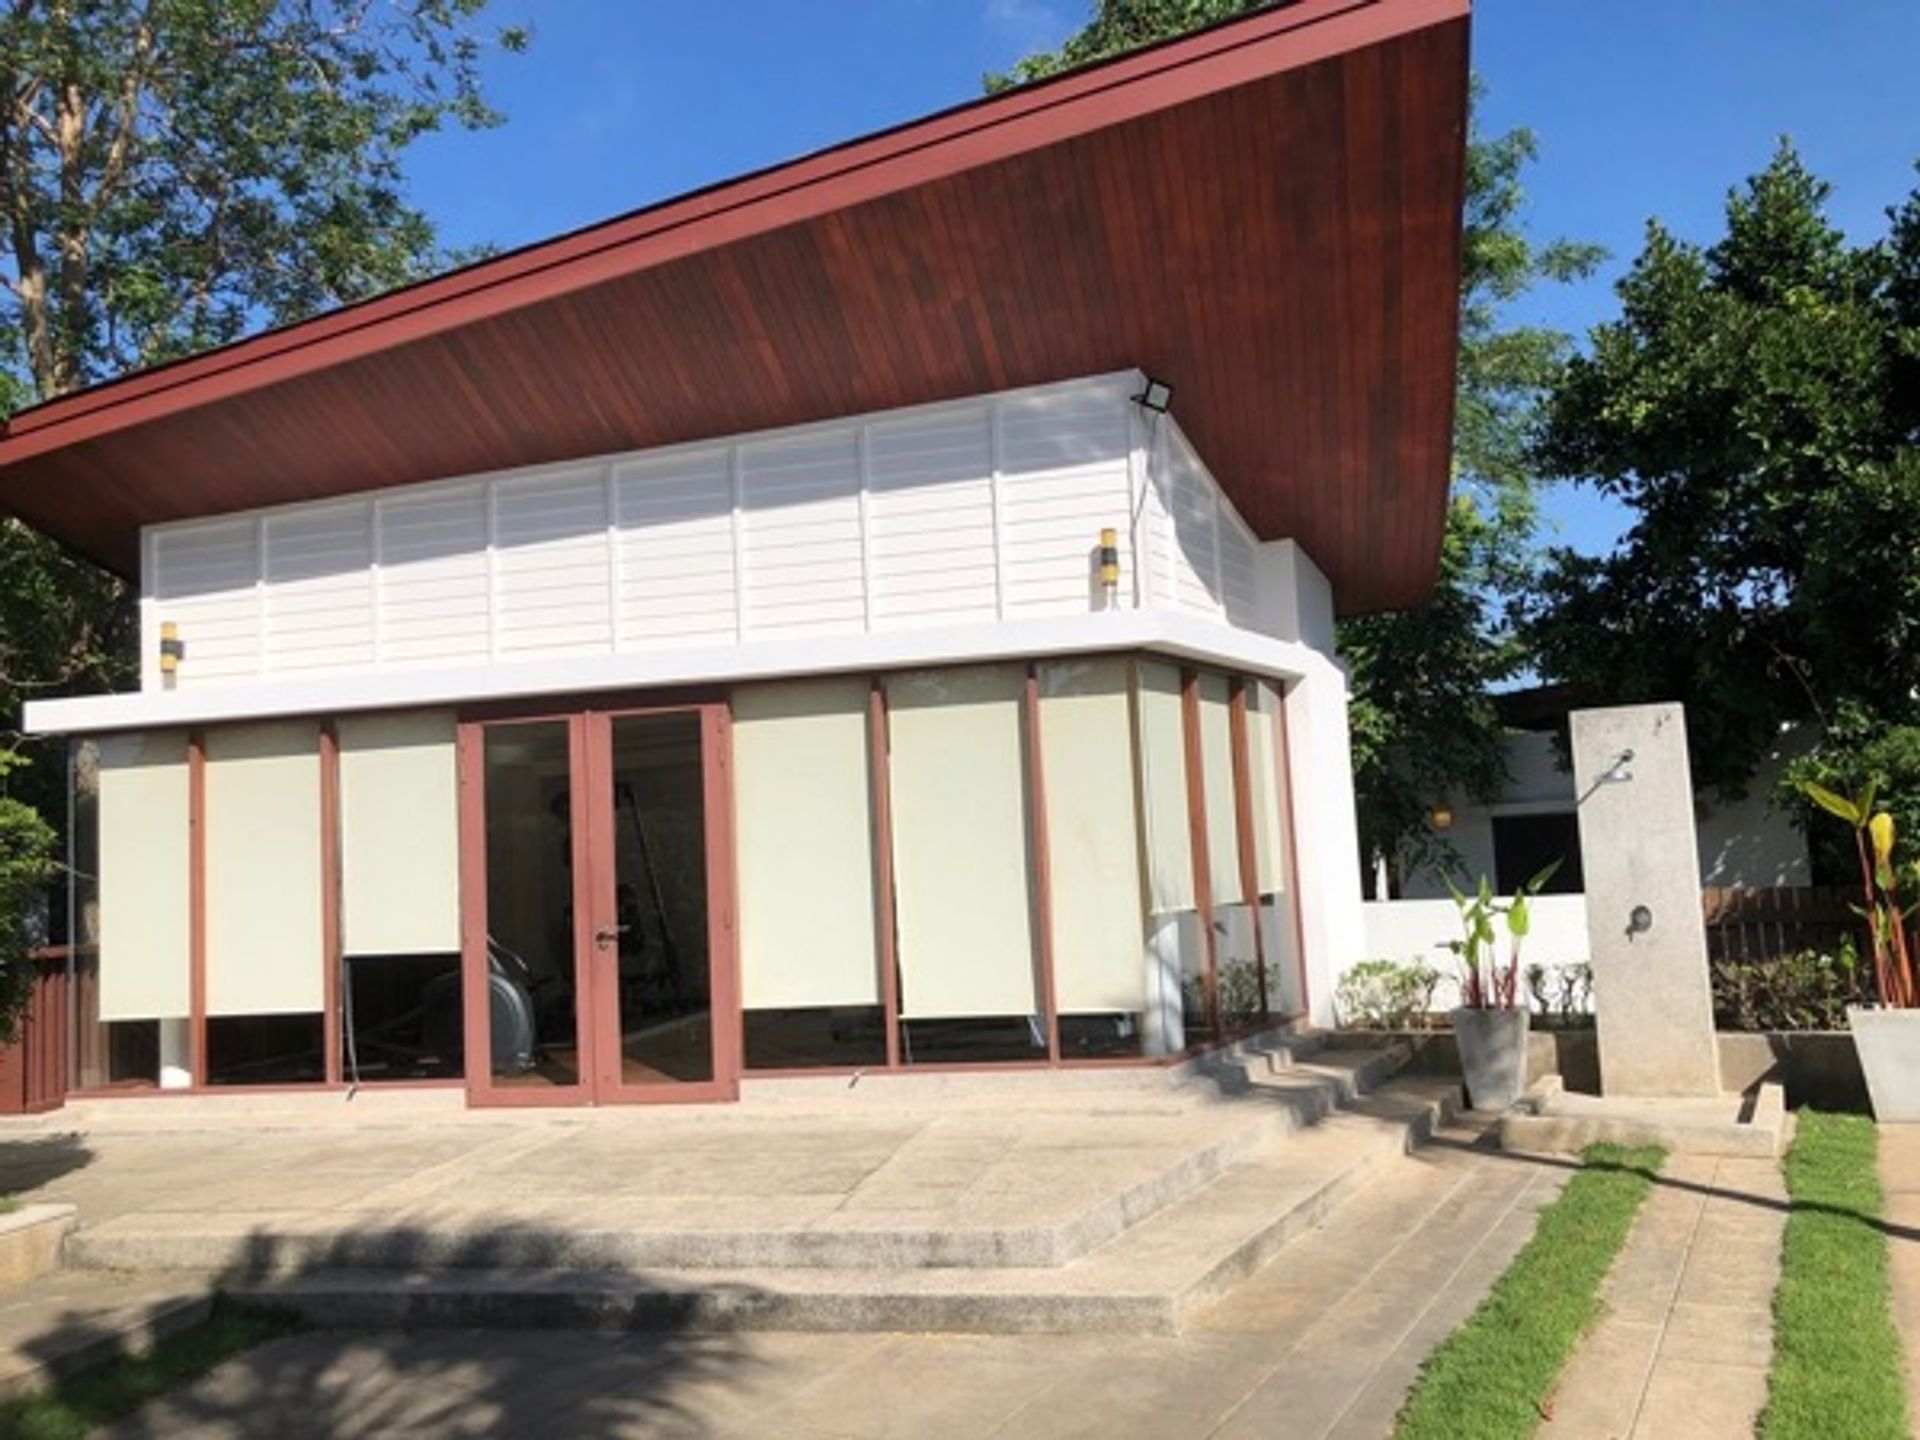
(1118,1202)
(1323,1343)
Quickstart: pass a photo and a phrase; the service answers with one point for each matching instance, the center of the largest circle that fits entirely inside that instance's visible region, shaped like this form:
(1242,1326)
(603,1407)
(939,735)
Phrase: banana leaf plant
(1889,922)
(1485,982)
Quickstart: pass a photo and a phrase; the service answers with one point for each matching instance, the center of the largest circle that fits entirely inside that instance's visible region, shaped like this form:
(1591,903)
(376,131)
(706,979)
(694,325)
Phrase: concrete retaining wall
(1817,1067)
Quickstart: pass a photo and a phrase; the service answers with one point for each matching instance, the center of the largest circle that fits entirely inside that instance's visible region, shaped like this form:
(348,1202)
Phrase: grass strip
(1490,1378)
(1836,1355)
(78,1405)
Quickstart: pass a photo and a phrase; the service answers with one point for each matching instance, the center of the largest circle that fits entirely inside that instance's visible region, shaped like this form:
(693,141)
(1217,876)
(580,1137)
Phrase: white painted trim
(610,487)
(737,481)
(997,489)
(1139,549)
(1184,637)
(863,461)
(377,586)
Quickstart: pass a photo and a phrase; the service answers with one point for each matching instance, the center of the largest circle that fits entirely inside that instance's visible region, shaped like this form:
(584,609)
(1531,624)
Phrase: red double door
(597,905)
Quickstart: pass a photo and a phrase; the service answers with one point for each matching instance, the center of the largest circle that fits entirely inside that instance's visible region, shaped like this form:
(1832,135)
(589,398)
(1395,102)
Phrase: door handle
(607,934)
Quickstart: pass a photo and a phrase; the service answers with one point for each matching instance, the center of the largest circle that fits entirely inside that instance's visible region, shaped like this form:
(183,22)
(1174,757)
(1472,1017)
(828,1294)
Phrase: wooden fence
(33,1070)
(1766,924)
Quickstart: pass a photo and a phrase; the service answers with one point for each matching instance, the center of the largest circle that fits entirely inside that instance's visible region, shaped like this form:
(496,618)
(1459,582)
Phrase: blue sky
(1642,107)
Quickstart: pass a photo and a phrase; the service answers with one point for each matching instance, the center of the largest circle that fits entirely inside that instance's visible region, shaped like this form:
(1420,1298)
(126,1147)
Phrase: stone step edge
(1328,1089)
(860,1301)
(106,1339)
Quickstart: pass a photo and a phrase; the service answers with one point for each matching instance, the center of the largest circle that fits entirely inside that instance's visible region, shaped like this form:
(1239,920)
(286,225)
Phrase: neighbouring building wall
(1743,843)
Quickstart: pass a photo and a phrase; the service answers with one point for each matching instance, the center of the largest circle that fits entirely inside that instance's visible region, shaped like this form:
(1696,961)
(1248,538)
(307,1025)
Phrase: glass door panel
(532,1005)
(661,968)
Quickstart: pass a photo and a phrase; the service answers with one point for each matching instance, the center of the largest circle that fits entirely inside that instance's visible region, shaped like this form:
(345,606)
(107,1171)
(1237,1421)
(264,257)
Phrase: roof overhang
(1266,214)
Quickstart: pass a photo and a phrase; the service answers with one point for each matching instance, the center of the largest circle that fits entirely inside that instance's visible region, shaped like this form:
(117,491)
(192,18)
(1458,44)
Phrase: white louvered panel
(800,534)
(1063,463)
(432,586)
(319,589)
(673,550)
(1156,526)
(552,588)
(205,581)
(930,514)
(1050,526)
(1195,587)
(1237,570)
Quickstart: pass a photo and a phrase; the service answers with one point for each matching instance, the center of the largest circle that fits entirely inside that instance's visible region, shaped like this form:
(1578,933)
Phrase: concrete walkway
(1900,1180)
(1323,1343)
(1685,1345)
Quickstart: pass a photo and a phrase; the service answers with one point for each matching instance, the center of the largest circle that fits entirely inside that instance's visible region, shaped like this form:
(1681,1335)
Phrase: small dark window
(1524,845)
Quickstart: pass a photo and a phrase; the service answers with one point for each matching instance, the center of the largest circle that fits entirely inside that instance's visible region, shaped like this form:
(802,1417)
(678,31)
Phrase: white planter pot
(1888,1044)
(1493,1055)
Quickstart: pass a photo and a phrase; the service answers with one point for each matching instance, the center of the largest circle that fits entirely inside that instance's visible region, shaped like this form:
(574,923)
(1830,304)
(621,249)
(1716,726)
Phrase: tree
(1423,718)
(1756,406)
(173,174)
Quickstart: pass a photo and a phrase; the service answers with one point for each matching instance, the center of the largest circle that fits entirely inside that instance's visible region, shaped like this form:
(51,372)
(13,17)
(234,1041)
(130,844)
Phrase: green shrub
(1385,995)
(1562,996)
(27,864)
(1807,990)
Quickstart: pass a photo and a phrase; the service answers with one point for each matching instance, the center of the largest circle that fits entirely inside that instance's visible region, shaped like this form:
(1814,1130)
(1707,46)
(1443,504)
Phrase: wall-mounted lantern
(172,651)
(1442,818)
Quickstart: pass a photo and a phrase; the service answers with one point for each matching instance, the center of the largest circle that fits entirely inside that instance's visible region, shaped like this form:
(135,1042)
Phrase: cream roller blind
(1269,820)
(1163,784)
(144,937)
(264,954)
(399,834)
(962,895)
(1216,760)
(803,834)
(1093,837)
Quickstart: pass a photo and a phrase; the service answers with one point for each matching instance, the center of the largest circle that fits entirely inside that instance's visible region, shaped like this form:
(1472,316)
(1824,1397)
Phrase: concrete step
(1146,1280)
(1552,1121)
(67,1322)
(995,1232)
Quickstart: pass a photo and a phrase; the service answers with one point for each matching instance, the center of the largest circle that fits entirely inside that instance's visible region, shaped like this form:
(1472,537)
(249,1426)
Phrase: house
(1745,845)
(1744,842)
(874,613)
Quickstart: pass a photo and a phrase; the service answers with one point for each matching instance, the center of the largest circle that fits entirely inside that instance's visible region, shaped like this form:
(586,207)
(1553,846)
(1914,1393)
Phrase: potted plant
(1490,1025)
(1886,1036)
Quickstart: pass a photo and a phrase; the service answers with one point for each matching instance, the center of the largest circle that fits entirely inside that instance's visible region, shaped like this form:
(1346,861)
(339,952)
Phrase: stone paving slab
(1900,1181)
(1382,1278)
(1686,1339)
(69,1321)
(983,1181)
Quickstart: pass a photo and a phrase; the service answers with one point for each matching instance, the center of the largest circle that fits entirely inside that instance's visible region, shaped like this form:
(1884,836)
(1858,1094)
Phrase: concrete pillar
(1653,1002)
(176,1064)
(1163,1026)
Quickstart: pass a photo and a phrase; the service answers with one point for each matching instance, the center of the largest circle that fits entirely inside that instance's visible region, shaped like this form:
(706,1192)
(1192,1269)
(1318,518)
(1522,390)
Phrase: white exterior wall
(977,511)
(1295,602)
(948,534)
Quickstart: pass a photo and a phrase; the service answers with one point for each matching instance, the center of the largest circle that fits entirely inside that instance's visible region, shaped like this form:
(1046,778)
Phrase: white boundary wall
(1418,930)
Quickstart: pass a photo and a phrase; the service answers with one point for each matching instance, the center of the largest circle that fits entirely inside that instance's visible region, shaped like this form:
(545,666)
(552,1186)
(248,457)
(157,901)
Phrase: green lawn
(77,1406)
(1490,1377)
(1836,1357)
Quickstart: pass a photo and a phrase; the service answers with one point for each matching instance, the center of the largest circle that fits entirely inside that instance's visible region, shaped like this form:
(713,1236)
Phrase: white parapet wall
(1419,930)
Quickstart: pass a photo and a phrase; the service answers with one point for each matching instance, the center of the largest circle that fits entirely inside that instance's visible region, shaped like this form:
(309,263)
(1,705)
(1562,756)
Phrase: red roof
(1266,214)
